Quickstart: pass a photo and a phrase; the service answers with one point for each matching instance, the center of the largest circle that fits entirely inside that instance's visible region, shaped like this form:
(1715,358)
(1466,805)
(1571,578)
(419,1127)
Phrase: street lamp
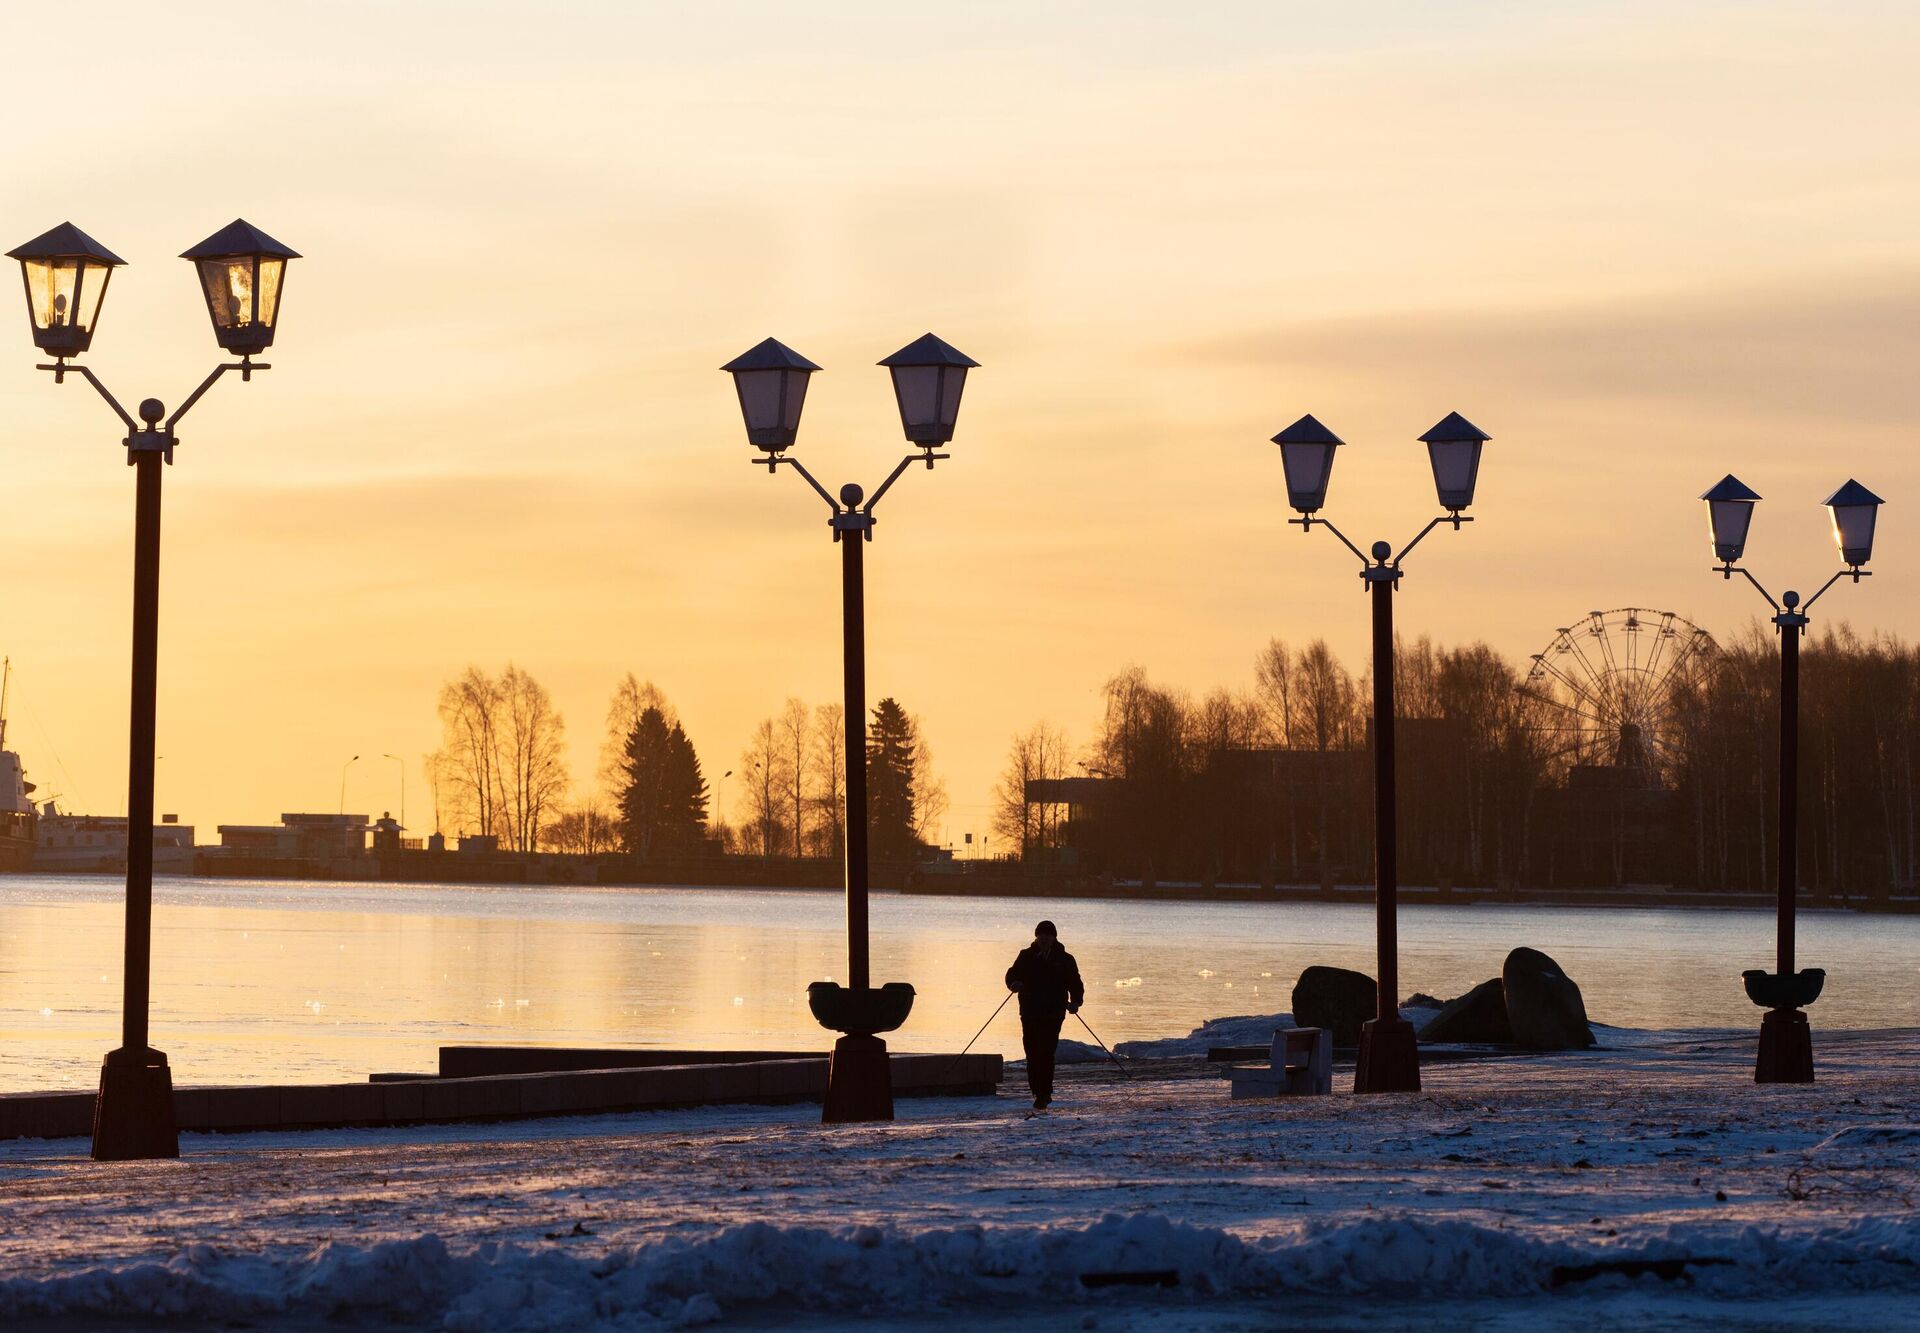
(66,273)
(771,380)
(1786,1041)
(1389,1054)
(343,782)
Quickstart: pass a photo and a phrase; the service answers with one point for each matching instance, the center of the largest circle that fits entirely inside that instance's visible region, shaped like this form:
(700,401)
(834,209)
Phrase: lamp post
(402,764)
(1786,1041)
(1389,1054)
(771,380)
(343,782)
(242,274)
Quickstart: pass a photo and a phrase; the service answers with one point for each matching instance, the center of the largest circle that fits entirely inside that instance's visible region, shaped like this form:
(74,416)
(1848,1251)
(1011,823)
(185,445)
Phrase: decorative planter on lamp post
(242,273)
(1389,1054)
(1786,1041)
(771,380)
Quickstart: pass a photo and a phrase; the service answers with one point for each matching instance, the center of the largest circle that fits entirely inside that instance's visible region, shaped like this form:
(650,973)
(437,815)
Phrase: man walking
(1048,981)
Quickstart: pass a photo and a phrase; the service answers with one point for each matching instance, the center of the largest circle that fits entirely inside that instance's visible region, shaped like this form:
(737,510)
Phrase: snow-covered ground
(1649,1185)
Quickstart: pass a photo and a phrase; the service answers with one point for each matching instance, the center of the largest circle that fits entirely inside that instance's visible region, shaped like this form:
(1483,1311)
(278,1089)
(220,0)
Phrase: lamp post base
(1786,1048)
(133,1116)
(1389,1057)
(859,1082)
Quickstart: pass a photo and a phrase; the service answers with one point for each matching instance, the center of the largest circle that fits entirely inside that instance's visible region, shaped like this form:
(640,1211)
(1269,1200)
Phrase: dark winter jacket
(1047,984)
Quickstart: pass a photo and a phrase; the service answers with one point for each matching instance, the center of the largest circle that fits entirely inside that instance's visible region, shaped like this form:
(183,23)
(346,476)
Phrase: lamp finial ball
(1791,598)
(1381,551)
(151,410)
(851,495)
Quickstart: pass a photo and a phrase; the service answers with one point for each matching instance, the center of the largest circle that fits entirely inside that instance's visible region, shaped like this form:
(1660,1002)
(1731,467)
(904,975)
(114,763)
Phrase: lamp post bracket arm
(246,368)
(1309,520)
(1455,518)
(929,458)
(61,370)
(773,463)
(1727,571)
(1855,574)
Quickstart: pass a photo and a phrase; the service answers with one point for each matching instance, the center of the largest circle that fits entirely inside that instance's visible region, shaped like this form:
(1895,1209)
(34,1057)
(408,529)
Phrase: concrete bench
(1300,1063)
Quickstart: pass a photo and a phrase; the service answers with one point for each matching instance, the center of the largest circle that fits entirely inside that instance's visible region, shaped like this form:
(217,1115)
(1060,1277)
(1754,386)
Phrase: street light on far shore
(771,381)
(65,273)
(1389,1052)
(1786,1041)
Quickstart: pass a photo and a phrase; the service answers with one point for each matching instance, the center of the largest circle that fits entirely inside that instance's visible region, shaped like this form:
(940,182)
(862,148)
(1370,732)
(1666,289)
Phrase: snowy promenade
(1644,1187)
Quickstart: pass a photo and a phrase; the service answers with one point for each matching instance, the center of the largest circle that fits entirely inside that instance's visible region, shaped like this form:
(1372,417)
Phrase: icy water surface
(282,981)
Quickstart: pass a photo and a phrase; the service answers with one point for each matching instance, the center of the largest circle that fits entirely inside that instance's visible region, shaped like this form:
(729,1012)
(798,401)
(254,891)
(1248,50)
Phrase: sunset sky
(1640,244)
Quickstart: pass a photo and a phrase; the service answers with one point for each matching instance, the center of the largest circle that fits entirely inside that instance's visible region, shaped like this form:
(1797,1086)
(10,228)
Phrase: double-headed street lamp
(1786,1042)
(242,272)
(771,380)
(1389,1055)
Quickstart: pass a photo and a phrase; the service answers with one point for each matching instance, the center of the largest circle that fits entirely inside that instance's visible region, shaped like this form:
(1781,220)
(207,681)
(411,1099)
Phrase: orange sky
(1639,244)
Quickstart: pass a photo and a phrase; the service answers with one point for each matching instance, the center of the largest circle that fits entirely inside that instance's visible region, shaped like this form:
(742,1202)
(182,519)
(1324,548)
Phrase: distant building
(298,838)
(99,843)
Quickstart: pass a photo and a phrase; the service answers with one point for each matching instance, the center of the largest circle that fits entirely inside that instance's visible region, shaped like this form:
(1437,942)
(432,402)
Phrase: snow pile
(679,1282)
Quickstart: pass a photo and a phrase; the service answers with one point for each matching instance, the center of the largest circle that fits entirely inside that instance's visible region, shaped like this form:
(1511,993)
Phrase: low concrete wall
(475,1061)
(501,1096)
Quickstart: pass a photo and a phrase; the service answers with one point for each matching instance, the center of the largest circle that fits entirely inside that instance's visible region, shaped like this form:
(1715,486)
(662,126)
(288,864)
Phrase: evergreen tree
(663,805)
(891,798)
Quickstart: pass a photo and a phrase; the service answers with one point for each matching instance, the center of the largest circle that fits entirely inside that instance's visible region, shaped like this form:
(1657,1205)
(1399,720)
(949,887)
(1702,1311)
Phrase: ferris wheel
(1608,683)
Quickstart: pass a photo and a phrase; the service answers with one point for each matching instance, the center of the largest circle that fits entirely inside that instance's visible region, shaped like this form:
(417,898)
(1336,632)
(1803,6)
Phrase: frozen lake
(261,981)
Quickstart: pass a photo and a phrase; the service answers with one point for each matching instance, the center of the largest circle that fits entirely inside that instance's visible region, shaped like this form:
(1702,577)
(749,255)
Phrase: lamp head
(928,375)
(1730,504)
(1453,450)
(1306,456)
(65,272)
(771,379)
(1854,510)
(243,272)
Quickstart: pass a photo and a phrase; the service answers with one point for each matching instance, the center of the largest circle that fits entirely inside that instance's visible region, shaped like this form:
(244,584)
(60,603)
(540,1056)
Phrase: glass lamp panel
(918,390)
(228,282)
(760,398)
(50,290)
(272,273)
(1456,465)
(952,380)
(793,396)
(770,402)
(1308,468)
(1853,531)
(1728,521)
(93,288)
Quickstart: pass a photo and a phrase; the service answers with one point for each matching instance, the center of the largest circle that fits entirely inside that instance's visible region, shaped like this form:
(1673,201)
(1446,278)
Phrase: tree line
(501,772)
(1273,780)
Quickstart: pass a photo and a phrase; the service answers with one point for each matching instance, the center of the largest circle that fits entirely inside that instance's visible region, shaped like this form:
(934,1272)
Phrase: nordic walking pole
(976,1037)
(1103,1046)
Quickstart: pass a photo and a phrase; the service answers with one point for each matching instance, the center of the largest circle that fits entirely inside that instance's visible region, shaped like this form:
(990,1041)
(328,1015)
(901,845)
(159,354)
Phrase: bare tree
(830,778)
(533,755)
(796,734)
(1038,754)
(470,709)
(589,828)
(1275,682)
(929,792)
(763,789)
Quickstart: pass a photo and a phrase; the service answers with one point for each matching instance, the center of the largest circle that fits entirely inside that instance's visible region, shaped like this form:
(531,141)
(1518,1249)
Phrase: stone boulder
(1479,1016)
(1544,1007)
(1337,999)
